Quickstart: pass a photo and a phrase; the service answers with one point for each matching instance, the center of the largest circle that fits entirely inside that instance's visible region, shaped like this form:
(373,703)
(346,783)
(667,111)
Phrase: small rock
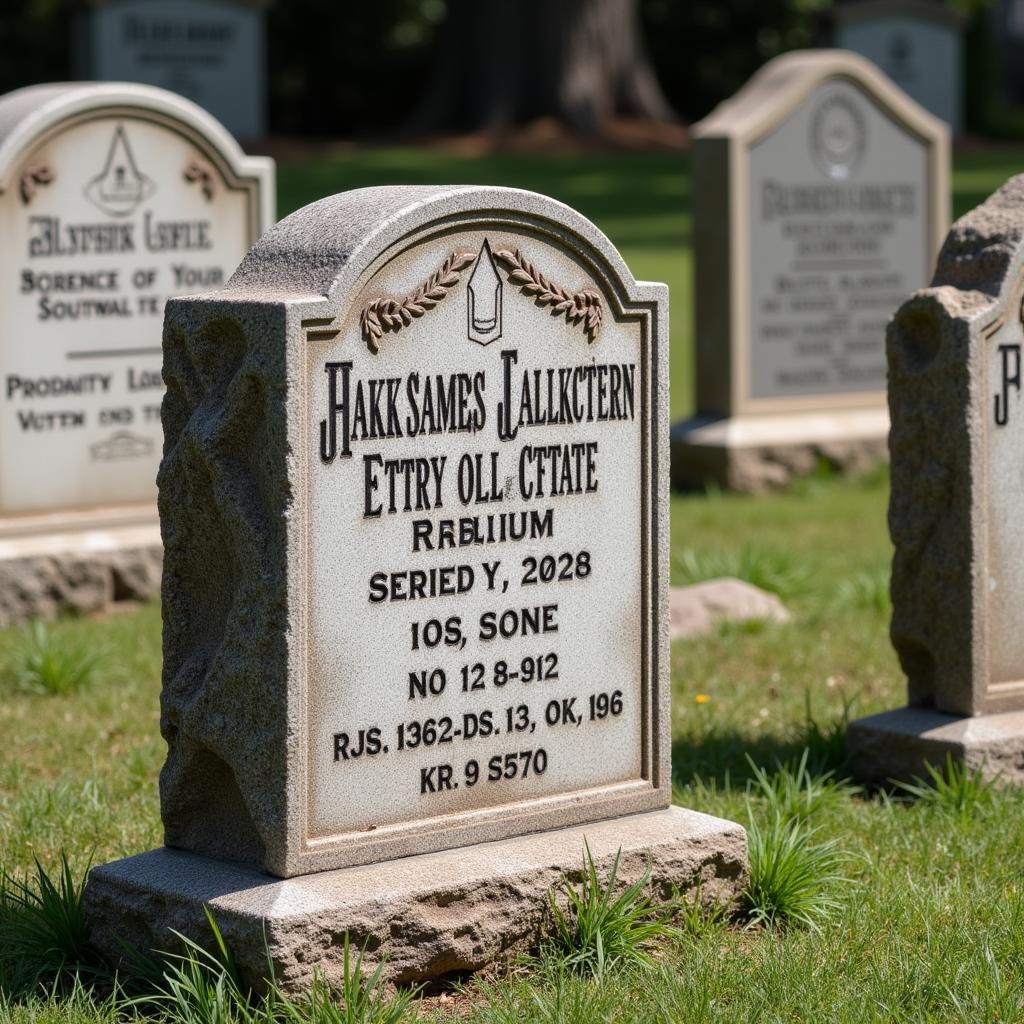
(696,609)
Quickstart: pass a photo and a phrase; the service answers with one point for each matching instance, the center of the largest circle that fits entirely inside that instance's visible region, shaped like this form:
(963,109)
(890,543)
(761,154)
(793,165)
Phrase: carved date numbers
(514,765)
(556,568)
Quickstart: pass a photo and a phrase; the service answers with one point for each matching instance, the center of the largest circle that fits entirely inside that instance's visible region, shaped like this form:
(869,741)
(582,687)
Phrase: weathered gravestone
(213,52)
(414,500)
(917,43)
(112,197)
(957,452)
(820,197)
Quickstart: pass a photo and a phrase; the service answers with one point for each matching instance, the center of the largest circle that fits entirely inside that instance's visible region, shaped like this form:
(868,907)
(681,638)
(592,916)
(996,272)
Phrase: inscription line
(153,350)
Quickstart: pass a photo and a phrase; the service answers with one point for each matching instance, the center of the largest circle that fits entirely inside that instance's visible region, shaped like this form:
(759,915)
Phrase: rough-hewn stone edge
(429,916)
(935,348)
(983,245)
(225,495)
(763,468)
(932,382)
(77,582)
(896,745)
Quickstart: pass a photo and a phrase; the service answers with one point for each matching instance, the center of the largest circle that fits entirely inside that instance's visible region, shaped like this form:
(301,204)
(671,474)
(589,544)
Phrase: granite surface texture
(937,407)
(429,916)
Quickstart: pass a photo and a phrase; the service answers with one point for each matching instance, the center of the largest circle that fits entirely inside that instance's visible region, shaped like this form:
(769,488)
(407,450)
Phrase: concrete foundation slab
(431,915)
(897,744)
(757,453)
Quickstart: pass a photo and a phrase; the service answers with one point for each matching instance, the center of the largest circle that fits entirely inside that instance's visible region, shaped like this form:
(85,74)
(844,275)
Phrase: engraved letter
(329,426)
(1010,355)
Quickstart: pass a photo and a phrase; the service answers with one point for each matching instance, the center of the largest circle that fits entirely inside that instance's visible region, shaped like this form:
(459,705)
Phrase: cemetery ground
(862,906)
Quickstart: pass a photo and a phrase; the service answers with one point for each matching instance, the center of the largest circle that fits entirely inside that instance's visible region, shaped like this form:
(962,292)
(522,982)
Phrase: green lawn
(930,925)
(640,200)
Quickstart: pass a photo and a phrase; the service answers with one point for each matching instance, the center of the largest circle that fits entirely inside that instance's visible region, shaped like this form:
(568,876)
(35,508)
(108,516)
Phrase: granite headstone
(956,446)
(414,498)
(820,196)
(112,198)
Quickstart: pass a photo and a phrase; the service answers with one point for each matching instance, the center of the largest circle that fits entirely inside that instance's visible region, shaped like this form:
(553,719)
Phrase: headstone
(415,590)
(917,43)
(958,565)
(212,52)
(112,198)
(820,197)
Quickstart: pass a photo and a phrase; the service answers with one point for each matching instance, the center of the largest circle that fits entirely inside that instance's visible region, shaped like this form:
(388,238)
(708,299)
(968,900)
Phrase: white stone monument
(820,197)
(415,590)
(212,52)
(112,198)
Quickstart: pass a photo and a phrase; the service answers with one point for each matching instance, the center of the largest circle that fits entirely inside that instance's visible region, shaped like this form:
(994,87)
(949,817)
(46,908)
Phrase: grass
(795,792)
(794,874)
(931,927)
(40,661)
(44,935)
(773,570)
(956,790)
(598,929)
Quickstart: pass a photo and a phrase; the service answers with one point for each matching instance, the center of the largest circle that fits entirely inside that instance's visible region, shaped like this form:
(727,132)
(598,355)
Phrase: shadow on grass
(719,757)
(642,198)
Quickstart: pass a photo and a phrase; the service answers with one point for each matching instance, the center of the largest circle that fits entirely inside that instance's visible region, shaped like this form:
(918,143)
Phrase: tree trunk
(506,62)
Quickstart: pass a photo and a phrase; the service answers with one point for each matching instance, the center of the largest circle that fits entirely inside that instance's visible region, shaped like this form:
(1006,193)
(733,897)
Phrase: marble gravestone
(414,500)
(112,198)
(820,197)
(957,452)
(212,52)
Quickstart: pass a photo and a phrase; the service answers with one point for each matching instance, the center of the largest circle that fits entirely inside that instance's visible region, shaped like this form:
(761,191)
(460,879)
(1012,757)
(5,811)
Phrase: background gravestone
(415,589)
(112,198)
(820,196)
(958,566)
(917,43)
(213,52)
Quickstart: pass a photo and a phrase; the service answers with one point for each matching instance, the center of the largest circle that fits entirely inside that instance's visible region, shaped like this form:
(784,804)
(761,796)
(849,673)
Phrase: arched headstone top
(322,249)
(29,116)
(786,82)
(113,197)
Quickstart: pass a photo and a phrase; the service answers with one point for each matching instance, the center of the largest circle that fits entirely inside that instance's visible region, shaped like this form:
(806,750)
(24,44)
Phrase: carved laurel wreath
(197,172)
(33,176)
(383,315)
(578,307)
(388,315)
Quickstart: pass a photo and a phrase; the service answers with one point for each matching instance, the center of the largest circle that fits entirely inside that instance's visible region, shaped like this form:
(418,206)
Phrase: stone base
(78,562)
(753,454)
(432,915)
(897,744)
